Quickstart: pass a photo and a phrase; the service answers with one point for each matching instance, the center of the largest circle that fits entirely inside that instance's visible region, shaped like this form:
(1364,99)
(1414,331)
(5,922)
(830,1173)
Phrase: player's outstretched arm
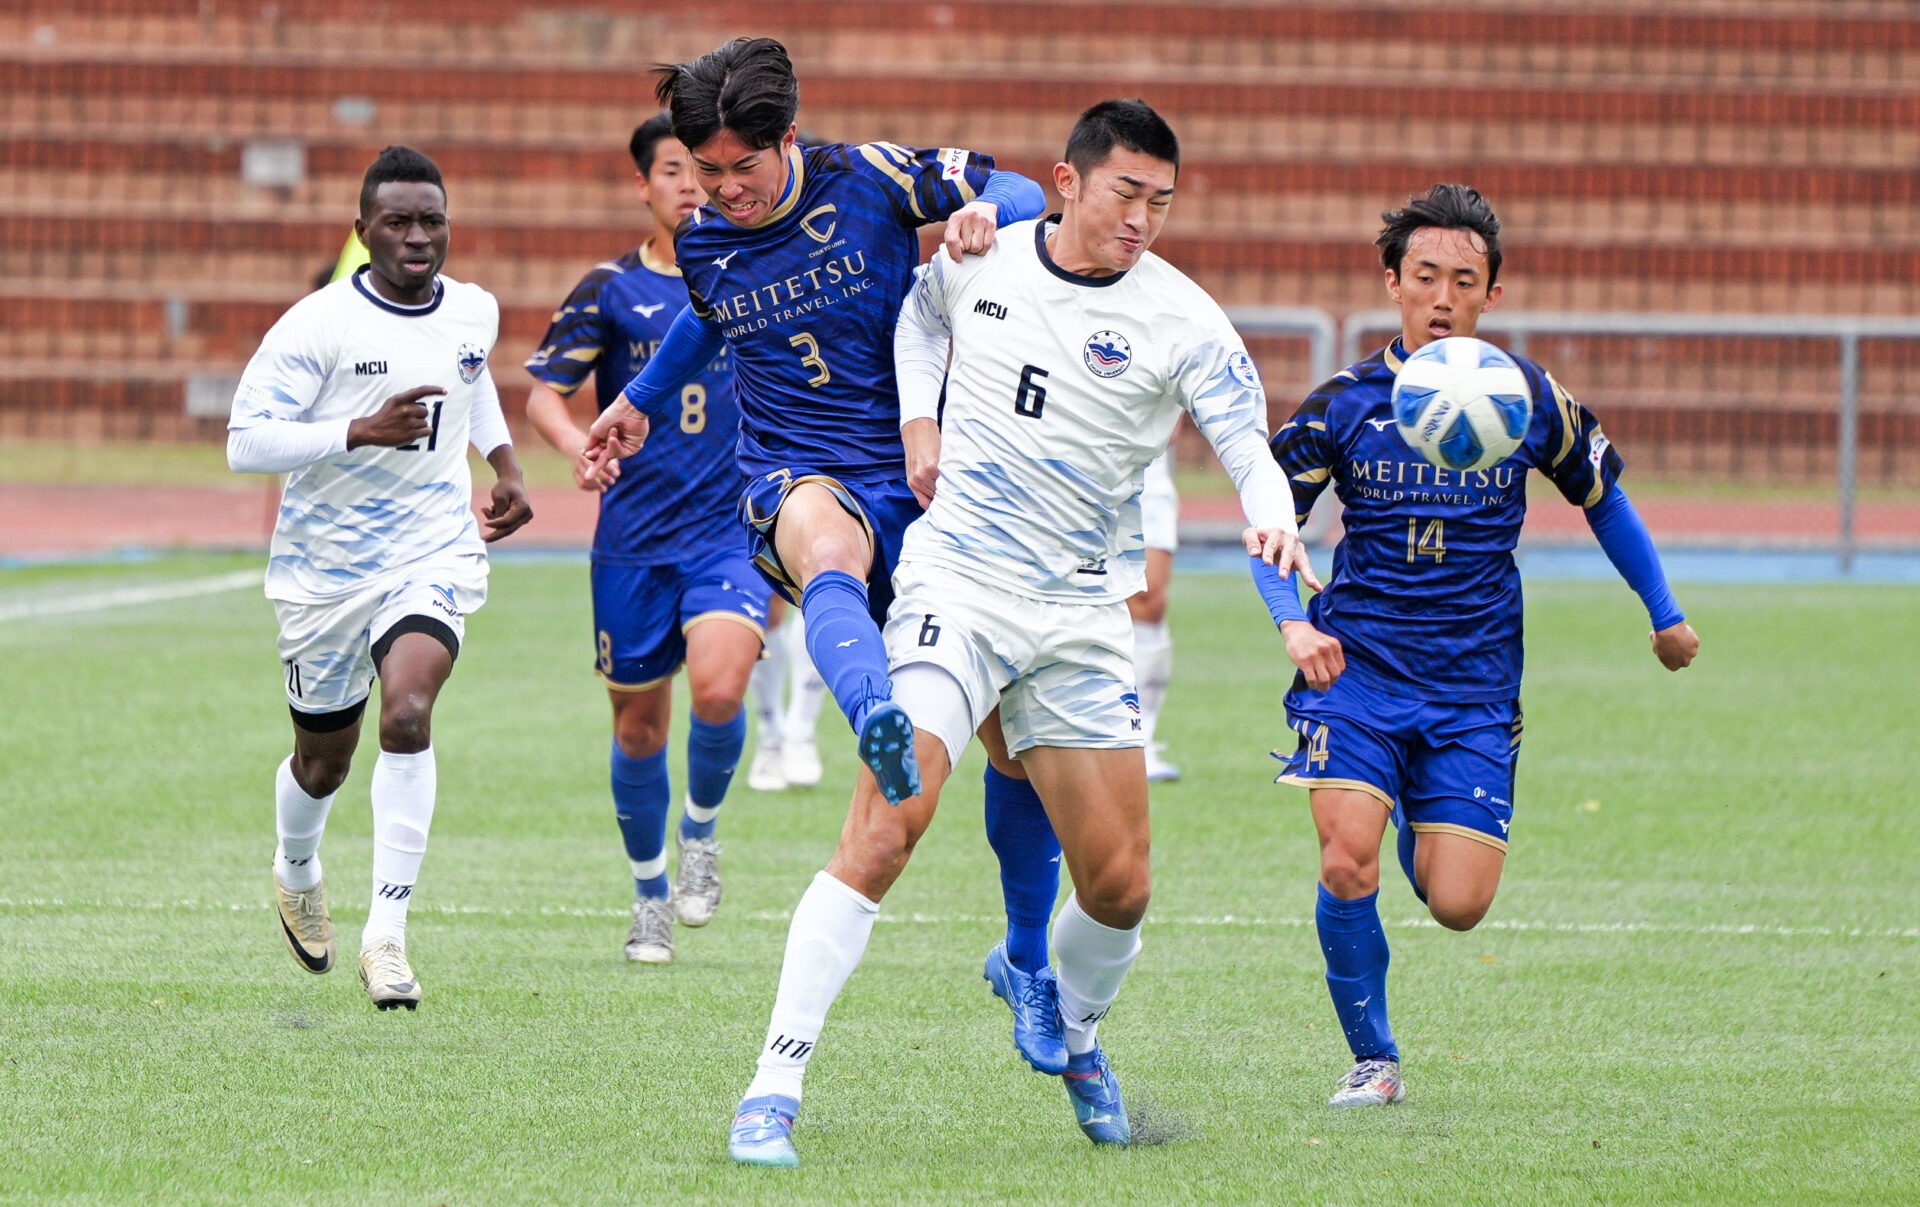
(922,339)
(690,345)
(1629,546)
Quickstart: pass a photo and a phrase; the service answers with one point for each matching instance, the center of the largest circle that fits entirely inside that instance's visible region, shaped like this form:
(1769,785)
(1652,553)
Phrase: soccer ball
(1462,403)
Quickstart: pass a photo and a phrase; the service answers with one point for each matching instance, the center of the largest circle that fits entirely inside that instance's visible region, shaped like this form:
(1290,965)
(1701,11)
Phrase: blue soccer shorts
(641,614)
(883,509)
(1448,767)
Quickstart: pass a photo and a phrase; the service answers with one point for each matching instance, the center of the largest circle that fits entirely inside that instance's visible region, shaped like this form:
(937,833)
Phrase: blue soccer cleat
(1095,1094)
(886,746)
(1035,1001)
(763,1131)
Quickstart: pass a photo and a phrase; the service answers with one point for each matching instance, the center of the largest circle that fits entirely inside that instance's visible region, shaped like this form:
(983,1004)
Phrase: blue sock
(1356,951)
(1403,845)
(1023,838)
(641,794)
(845,643)
(713,751)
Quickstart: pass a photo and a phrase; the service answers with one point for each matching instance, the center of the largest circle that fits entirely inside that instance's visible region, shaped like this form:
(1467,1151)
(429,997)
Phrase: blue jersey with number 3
(808,299)
(1424,595)
(677,501)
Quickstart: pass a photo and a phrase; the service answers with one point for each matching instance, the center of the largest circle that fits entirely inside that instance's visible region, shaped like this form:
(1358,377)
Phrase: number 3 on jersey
(810,357)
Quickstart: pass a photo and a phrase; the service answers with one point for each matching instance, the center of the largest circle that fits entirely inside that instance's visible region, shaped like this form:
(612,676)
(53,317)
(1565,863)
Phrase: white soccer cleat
(767,772)
(387,976)
(306,925)
(650,941)
(1371,1083)
(696,887)
(800,763)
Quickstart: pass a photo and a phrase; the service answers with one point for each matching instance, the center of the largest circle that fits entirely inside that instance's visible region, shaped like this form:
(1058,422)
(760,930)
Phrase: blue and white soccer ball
(1462,403)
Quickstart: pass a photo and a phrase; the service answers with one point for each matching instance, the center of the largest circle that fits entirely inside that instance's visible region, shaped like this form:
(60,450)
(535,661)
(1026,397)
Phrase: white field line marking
(124,597)
(1225,921)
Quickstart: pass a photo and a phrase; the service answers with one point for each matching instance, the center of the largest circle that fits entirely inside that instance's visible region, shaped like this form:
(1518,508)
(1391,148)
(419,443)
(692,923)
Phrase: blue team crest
(472,359)
(1107,353)
(1240,367)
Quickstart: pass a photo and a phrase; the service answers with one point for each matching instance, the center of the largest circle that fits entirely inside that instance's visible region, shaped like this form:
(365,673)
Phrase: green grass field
(1697,984)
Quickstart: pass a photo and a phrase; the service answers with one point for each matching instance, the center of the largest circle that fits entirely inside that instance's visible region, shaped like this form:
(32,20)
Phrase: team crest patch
(472,360)
(1107,353)
(1240,366)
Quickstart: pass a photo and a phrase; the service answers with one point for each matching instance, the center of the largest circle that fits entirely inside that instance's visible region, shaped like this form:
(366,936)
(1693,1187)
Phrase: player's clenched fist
(1676,646)
(1318,655)
(970,230)
(401,419)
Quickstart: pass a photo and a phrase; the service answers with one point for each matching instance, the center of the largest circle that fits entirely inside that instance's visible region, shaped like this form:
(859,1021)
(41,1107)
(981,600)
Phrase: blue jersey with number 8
(676,502)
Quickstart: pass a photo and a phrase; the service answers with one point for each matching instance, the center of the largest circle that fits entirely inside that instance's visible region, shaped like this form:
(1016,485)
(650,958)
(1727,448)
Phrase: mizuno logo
(1362,1003)
(721,262)
(1503,825)
(646,312)
(849,641)
(1379,425)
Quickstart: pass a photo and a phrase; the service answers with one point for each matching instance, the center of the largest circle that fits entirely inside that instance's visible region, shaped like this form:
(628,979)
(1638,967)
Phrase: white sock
(299,821)
(403,790)
(809,689)
(764,683)
(1152,667)
(824,945)
(1091,961)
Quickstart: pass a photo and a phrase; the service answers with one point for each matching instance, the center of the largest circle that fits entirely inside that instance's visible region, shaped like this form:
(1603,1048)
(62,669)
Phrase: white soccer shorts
(1061,673)
(1160,504)
(326,649)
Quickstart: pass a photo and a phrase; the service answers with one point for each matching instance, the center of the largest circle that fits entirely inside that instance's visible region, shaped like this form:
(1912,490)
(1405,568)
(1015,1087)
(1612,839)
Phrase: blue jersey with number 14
(808,299)
(677,502)
(1424,595)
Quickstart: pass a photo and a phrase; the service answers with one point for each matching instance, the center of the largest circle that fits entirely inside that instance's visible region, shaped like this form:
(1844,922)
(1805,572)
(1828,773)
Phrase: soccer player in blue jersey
(1407,699)
(798,266)
(667,557)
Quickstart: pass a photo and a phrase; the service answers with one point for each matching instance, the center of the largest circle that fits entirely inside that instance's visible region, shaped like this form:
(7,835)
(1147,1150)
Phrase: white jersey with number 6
(1061,390)
(354,519)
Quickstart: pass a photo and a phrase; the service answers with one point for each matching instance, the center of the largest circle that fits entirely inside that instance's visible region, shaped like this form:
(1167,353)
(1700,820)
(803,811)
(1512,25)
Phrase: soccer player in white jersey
(1074,354)
(367,393)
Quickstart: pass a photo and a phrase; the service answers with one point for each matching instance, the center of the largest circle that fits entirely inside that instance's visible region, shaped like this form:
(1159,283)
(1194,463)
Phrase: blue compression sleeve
(690,345)
(1282,595)
(1623,534)
(1017,197)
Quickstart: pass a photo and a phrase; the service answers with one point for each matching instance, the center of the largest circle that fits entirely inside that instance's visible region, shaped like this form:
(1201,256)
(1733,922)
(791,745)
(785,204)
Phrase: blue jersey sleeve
(1629,546)
(923,184)
(575,335)
(1580,461)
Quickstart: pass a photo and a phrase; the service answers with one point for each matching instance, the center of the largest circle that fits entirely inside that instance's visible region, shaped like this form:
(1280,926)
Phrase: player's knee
(639,737)
(406,723)
(321,774)
(1457,913)
(1117,896)
(1148,607)
(714,705)
(1347,876)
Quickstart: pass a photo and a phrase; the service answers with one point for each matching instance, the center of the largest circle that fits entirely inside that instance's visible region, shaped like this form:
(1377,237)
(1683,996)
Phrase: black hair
(1124,123)
(398,165)
(1451,206)
(746,86)
(646,137)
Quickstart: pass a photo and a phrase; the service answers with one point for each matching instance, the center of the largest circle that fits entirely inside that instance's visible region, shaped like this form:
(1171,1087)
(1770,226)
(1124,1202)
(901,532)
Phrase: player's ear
(1393,286)
(360,230)
(787,140)
(1493,297)
(640,185)
(1064,180)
